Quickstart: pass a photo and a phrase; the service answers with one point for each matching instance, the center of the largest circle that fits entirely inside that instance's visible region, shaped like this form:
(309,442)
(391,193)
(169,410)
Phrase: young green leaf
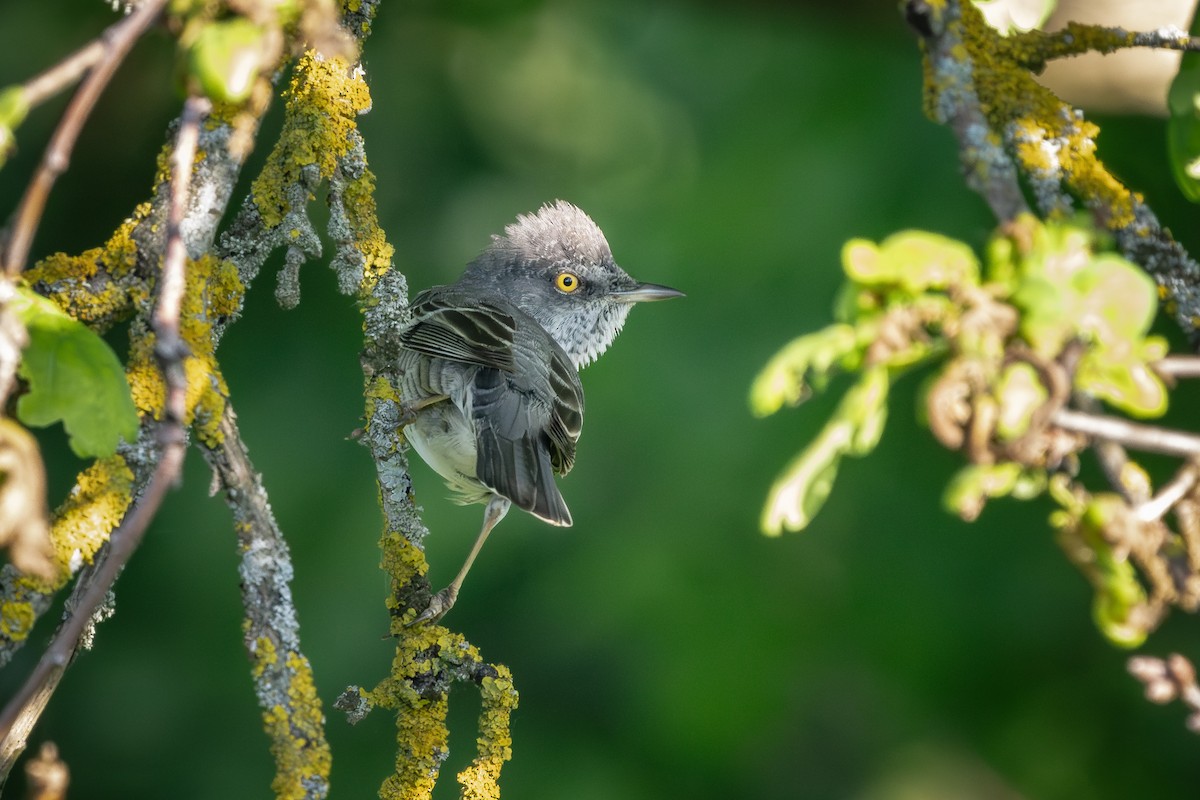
(1183,126)
(74,377)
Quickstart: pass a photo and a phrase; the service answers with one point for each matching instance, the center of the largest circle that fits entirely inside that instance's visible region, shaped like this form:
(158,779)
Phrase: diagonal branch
(119,39)
(34,694)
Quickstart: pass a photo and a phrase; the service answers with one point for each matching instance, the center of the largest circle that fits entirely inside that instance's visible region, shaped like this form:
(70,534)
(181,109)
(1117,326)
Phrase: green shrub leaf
(74,377)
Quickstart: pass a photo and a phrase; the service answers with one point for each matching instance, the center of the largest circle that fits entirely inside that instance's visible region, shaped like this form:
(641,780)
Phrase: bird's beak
(646,292)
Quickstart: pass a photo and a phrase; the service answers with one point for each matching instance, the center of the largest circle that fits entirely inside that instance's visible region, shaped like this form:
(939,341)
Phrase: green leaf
(802,489)
(913,260)
(1118,299)
(13,108)
(803,366)
(226,58)
(1119,594)
(1123,377)
(854,429)
(1183,125)
(1020,393)
(972,486)
(73,377)
(865,409)
(1009,18)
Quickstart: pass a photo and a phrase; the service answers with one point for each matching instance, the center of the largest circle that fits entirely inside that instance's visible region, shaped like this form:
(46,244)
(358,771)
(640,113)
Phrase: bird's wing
(448,325)
(527,422)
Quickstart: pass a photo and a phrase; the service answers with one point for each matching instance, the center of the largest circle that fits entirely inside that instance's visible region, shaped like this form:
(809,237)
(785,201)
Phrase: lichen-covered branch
(321,143)
(283,679)
(1034,48)
(26,705)
(981,84)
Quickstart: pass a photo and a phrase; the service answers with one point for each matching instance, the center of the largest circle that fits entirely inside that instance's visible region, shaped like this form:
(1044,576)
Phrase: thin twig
(1034,48)
(1130,434)
(1178,367)
(117,41)
(43,86)
(1175,490)
(126,538)
(1114,461)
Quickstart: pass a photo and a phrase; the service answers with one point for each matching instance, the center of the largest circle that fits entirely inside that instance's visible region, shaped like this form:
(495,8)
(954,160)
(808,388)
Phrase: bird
(490,364)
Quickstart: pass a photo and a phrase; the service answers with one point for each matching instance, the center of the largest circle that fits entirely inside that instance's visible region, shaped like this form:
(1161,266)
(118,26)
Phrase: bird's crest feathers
(558,233)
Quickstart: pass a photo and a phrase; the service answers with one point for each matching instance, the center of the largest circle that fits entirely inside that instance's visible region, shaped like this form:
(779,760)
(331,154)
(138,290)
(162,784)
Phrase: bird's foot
(439,604)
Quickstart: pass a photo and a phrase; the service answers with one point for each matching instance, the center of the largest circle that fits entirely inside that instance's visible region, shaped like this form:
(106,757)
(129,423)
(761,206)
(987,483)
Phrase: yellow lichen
(297,736)
(421,722)
(265,655)
(401,559)
(323,101)
(91,286)
(213,291)
(82,524)
(94,507)
(16,619)
(369,238)
(1037,121)
(480,779)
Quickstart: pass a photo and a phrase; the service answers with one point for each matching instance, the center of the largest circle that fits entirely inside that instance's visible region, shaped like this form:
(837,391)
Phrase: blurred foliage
(662,646)
(1183,127)
(1048,316)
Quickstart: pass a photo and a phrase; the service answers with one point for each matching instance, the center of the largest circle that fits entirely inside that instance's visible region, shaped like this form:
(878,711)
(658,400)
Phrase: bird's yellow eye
(566,282)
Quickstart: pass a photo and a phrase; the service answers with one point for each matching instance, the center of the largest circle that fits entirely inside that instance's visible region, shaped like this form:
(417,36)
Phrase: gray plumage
(490,363)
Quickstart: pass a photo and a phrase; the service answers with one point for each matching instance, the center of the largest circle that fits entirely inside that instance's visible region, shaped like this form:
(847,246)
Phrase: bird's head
(556,266)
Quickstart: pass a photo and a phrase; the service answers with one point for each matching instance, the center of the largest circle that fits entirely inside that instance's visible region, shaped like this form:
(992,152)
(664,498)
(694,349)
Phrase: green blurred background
(663,647)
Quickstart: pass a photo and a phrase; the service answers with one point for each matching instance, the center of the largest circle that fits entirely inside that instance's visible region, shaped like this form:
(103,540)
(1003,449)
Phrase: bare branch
(1178,367)
(952,100)
(117,42)
(50,82)
(1130,434)
(1175,490)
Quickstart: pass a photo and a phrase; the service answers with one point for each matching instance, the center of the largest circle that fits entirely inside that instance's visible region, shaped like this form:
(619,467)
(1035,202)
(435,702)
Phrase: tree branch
(171,439)
(283,680)
(1032,49)
(1134,435)
(118,40)
(979,83)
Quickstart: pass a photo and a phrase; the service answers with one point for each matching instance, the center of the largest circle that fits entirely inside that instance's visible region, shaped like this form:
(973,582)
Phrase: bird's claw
(439,604)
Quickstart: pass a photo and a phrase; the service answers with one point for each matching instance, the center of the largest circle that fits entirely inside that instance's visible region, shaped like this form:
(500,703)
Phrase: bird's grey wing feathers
(566,419)
(513,447)
(471,331)
(527,423)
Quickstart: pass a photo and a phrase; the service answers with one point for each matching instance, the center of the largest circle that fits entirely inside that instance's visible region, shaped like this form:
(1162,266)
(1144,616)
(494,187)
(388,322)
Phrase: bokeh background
(663,647)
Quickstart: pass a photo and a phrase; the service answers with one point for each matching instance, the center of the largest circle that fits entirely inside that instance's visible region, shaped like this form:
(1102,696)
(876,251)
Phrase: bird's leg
(442,602)
(409,411)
